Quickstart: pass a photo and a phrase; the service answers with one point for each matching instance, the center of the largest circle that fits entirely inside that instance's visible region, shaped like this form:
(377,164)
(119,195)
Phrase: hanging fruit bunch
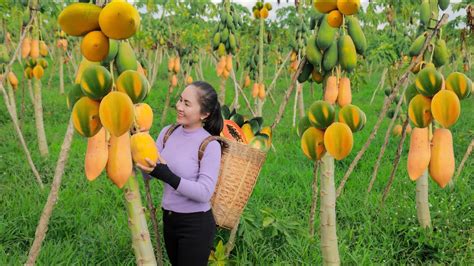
(174,66)
(247,131)
(225,40)
(298,44)
(332,50)
(437,53)
(108,108)
(33,51)
(62,42)
(260,10)
(435,100)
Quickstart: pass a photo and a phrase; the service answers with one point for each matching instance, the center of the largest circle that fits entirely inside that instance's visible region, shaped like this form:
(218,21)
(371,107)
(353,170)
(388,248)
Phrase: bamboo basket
(240,167)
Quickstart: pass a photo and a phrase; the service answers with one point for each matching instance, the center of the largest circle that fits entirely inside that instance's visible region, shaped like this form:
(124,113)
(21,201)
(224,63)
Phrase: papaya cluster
(298,43)
(107,110)
(174,66)
(224,66)
(322,130)
(332,45)
(260,10)
(429,12)
(224,40)
(252,62)
(246,131)
(434,99)
(62,42)
(34,51)
(293,62)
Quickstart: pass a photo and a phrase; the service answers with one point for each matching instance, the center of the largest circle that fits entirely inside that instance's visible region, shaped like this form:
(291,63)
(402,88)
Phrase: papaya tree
(118,134)
(327,137)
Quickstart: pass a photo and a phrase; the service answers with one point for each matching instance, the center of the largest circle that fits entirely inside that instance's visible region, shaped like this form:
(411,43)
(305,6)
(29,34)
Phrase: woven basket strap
(169,132)
(203,146)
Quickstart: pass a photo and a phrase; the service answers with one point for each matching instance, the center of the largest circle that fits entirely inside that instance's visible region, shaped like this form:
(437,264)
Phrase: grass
(89,224)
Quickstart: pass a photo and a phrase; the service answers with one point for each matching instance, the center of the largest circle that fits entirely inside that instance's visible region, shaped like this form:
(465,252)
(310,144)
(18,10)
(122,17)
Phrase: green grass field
(89,222)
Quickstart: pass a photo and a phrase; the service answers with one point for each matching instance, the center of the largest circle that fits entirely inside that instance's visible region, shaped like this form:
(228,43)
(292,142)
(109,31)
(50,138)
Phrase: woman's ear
(204,116)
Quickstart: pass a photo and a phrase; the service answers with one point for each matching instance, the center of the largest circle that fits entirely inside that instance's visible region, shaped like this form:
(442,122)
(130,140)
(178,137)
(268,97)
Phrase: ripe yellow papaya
(419,153)
(331,91)
(119,163)
(43,48)
(97,154)
(334,19)
(255,90)
(442,157)
(38,71)
(348,7)
(25,47)
(116,113)
(344,95)
(338,140)
(352,116)
(261,91)
(95,46)
(35,49)
(143,116)
(119,20)
(143,146)
(324,6)
(78,19)
(446,108)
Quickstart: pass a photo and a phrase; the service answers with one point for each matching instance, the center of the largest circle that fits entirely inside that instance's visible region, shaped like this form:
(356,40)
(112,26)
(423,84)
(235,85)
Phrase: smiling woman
(189,226)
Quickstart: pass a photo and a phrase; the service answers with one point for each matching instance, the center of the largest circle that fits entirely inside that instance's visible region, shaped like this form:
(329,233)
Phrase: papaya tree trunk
(295,105)
(422,205)
(30,91)
(314,199)
(61,74)
(327,216)
(260,63)
(137,224)
(21,138)
(222,91)
(38,105)
(12,102)
(167,102)
(151,207)
(301,100)
(42,227)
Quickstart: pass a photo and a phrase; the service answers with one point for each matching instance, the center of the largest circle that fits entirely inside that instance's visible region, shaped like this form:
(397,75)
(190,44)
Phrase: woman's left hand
(150,164)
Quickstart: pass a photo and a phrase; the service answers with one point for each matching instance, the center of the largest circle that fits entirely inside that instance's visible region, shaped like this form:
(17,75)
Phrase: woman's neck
(192,128)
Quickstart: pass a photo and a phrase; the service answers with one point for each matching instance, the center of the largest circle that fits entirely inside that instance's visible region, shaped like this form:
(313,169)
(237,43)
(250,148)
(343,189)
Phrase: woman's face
(188,108)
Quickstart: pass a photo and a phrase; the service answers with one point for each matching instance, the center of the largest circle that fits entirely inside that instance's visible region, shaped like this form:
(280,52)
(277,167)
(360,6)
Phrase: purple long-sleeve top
(198,180)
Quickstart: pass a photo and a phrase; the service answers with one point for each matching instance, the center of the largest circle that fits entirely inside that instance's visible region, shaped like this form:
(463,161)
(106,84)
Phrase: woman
(189,226)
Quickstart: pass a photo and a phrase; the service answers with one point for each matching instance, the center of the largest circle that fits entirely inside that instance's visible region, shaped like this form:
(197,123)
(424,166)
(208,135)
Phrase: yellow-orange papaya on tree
(419,153)
(96,155)
(442,157)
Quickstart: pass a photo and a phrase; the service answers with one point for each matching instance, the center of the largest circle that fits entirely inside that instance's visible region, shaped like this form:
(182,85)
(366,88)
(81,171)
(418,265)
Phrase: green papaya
(230,21)
(74,94)
(443,4)
(125,59)
(440,54)
(313,54)
(347,53)
(216,40)
(113,50)
(305,72)
(221,50)
(330,57)
(232,42)
(425,12)
(356,33)
(224,35)
(434,14)
(326,34)
(416,46)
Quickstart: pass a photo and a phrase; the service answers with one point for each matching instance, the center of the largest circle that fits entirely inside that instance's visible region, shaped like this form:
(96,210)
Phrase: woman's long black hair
(210,104)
